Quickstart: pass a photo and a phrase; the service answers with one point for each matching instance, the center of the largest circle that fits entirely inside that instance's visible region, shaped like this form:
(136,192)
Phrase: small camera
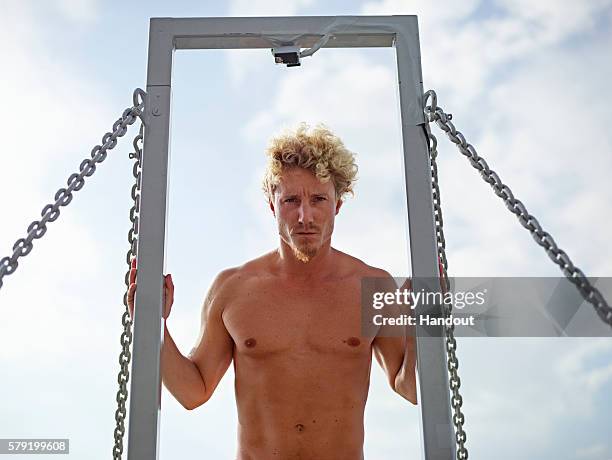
(289,55)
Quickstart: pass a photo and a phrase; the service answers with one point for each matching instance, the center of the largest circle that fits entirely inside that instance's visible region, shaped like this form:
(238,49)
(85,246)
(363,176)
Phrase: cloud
(538,152)
(442,12)
(538,394)
(79,12)
(594,452)
(63,110)
(267,7)
(472,44)
(579,373)
(548,20)
(519,105)
(51,110)
(320,88)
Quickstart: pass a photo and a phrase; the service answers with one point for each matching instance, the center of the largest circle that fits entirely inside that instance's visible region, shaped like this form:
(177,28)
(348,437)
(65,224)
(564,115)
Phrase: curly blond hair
(319,150)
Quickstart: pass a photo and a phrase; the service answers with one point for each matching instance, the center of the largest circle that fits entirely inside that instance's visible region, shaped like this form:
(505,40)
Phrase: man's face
(305,209)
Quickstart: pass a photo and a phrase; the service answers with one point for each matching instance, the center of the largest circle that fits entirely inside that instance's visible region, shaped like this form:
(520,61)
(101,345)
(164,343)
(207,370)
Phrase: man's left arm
(395,348)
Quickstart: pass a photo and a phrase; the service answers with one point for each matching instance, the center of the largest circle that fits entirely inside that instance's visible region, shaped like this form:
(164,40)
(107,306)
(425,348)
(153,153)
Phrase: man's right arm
(193,379)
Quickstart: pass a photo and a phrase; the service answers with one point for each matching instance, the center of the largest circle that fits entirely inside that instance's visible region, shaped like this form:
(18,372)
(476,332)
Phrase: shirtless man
(290,321)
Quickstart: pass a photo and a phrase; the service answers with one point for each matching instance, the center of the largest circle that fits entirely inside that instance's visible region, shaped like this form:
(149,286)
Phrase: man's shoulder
(359,267)
(249,269)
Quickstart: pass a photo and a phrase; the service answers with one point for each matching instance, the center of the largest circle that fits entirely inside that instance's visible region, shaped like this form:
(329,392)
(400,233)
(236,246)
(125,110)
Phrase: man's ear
(272,207)
(338,206)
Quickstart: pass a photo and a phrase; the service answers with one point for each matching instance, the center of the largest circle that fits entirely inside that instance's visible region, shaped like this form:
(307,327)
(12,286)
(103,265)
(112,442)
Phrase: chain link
(451,342)
(126,337)
(590,293)
(63,197)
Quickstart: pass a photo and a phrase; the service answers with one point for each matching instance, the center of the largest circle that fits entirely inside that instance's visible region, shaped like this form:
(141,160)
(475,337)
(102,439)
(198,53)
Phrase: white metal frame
(169,34)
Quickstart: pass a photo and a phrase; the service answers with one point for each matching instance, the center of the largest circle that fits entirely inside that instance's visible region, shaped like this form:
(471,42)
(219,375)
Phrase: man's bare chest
(274,318)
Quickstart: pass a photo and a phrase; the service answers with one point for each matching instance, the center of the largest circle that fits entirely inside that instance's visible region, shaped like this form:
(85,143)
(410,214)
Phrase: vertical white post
(145,390)
(437,430)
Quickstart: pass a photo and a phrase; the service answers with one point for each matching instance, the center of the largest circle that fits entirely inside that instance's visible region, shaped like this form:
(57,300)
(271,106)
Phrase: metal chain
(51,212)
(63,197)
(126,337)
(590,293)
(451,343)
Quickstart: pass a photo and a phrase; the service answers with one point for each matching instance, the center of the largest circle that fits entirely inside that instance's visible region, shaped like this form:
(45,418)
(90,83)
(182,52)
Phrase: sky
(528,86)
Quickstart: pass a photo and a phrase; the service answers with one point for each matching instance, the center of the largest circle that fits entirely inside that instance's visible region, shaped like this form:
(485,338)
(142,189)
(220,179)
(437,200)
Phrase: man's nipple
(352,341)
(250,342)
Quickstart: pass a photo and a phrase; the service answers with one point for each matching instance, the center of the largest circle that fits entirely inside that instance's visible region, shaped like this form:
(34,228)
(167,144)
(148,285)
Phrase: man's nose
(305,214)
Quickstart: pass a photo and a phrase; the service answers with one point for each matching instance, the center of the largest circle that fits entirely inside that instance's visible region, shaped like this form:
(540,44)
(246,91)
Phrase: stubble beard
(304,253)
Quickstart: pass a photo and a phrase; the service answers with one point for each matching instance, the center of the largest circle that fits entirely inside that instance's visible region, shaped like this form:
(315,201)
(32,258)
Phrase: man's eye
(320,198)
(290,200)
